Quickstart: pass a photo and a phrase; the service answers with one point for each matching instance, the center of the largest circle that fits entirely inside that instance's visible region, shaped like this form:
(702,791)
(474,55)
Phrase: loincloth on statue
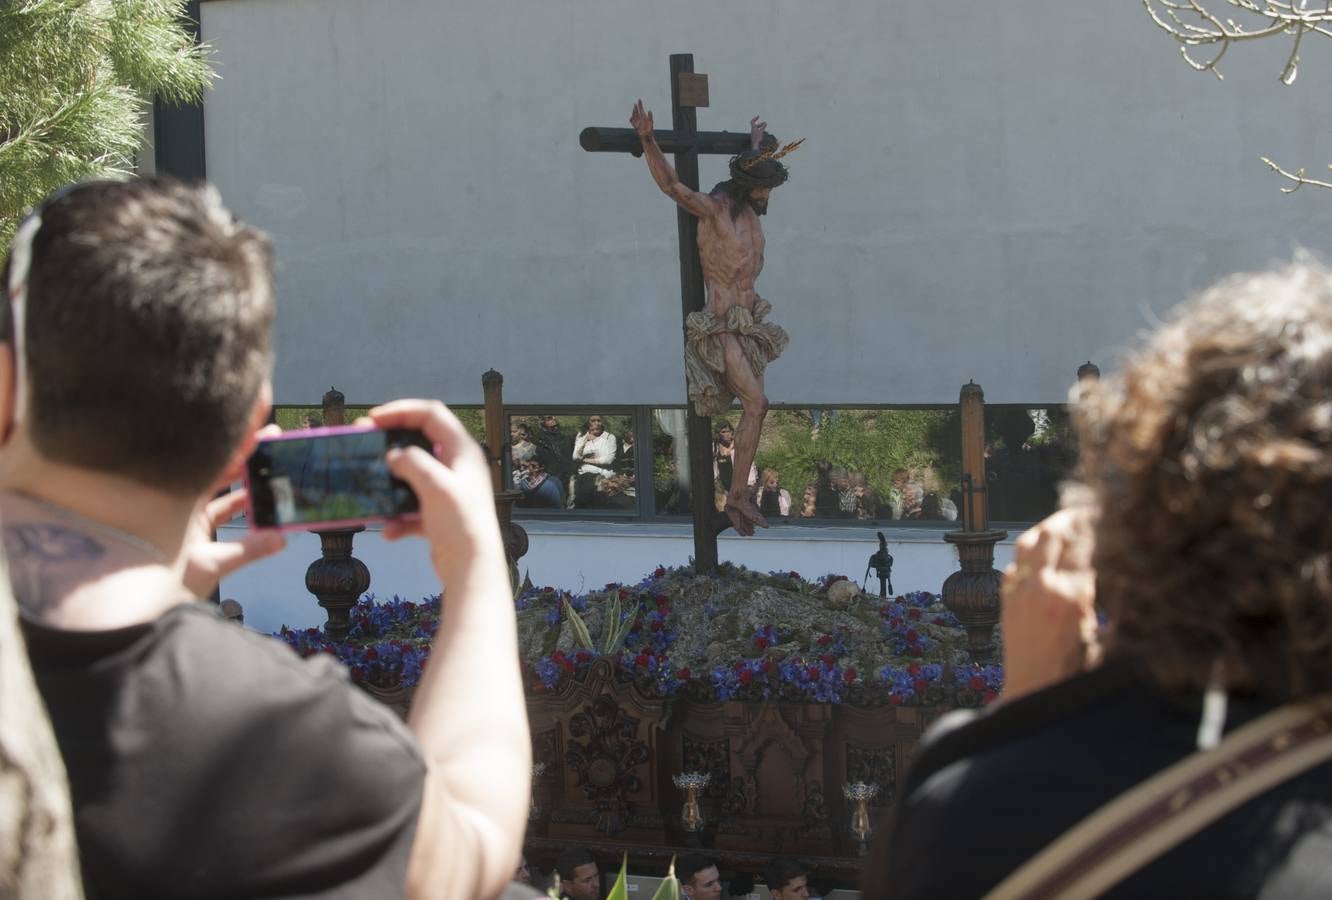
(705,353)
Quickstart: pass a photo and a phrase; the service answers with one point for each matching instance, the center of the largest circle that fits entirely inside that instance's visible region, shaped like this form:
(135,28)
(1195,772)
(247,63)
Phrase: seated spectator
(773,500)
(786,879)
(580,879)
(840,481)
(698,876)
(519,453)
(205,760)
(1201,531)
(723,462)
(809,502)
(615,492)
(554,448)
(594,455)
(938,508)
(825,498)
(867,503)
(624,456)
(540,491)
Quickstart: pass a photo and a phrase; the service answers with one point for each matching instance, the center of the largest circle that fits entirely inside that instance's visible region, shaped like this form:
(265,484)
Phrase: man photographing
(205,760)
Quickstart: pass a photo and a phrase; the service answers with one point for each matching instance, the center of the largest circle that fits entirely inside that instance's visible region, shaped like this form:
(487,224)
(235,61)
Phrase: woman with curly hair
(1200,532)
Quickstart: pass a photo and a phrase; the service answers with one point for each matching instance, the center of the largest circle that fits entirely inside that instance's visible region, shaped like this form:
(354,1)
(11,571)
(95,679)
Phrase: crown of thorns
(774,153)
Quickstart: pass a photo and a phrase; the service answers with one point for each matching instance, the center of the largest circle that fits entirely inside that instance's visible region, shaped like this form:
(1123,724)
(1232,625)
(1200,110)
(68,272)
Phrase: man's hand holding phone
(453,487)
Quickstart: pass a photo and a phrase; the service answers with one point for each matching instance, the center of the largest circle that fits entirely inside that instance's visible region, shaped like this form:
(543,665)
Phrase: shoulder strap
(1143,823)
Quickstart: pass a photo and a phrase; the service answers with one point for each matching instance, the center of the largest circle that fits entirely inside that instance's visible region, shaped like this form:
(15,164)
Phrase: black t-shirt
(986,795)
(208,761)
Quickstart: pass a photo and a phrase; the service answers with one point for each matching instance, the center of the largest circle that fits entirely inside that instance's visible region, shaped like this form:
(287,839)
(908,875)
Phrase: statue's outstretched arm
(700,204)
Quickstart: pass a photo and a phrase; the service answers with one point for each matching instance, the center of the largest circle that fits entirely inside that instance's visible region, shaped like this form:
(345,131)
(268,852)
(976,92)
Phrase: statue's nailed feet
(744,515)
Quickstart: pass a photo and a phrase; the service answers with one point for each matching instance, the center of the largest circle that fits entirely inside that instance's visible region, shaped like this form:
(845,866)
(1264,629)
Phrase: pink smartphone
(329,478)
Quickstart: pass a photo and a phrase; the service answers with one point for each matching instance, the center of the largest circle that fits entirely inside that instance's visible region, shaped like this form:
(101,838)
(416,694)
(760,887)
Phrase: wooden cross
(688,91)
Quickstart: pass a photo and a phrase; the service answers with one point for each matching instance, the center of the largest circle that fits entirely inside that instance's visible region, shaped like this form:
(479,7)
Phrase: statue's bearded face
(758,200)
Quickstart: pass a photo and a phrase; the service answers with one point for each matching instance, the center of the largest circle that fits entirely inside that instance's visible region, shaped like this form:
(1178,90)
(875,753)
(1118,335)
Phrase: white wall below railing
(579,556)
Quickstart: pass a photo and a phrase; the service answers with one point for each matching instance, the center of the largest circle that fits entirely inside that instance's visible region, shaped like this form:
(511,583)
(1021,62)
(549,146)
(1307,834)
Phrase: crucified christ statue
(728,345)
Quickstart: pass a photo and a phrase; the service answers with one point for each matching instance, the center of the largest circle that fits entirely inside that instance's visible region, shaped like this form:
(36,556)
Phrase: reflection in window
(825,465)
(1028,452)
(563,461)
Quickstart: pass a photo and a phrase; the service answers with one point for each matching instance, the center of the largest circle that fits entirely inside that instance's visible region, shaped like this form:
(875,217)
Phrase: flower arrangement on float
(734,634)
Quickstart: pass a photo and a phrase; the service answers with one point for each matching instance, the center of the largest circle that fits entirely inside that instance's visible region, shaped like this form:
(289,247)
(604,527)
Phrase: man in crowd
(699,878)
(205,760)
(786,879)
(580,879)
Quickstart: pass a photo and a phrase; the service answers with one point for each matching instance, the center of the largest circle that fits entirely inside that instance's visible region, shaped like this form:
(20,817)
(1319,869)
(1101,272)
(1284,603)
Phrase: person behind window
(867,502)
(615,492)
(540,490)
(825,499)
(773,499)
(594,455)
(809,503)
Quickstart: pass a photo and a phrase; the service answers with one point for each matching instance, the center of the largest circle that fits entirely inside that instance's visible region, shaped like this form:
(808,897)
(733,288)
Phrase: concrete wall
(996,191)
(580,556)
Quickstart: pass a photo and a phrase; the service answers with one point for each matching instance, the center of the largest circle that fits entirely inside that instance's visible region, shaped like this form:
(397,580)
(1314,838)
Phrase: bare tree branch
(1195,26)
(1297,177)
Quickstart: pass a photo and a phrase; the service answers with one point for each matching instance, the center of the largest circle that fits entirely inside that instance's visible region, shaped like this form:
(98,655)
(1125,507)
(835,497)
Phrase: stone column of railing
(497,449)
(337,579)
(972,594)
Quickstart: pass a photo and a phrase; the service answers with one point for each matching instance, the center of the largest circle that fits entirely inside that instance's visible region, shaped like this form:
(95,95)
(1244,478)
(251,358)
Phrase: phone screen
(334,477)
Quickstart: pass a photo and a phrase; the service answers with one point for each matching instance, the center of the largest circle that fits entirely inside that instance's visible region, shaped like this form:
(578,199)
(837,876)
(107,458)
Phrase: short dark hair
(689,865)
(148,330)
(571,858)
(781,871)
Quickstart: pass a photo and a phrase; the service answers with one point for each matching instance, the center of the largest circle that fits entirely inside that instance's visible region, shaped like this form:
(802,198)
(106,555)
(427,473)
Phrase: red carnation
(814,673)
(642,660)
(357,675)
(371,654)
(895,699)
(760,642)
(913,668)
(538,688)
(912,635)
(567,665)
(913,614)
(582,656)
(746,676)
(850,676)
(825,640)
(991,696)
(662,598)
(895,623)
(977,683)
(656,624)
(914,650)
(828,659)
(624,595)
(659,572)
(919,685)
(684,674)
(766,666)
(794,574)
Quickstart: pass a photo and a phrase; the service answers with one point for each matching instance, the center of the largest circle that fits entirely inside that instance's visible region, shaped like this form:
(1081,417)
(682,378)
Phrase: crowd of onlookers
(594,469)
(701,878)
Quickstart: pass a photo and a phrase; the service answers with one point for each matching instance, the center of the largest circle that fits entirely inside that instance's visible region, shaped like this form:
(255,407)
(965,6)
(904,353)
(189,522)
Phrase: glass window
(575,461)
(866,465)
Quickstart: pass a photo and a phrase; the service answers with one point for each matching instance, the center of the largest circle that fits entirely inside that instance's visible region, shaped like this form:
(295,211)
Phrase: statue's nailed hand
(757,131)
(641,119)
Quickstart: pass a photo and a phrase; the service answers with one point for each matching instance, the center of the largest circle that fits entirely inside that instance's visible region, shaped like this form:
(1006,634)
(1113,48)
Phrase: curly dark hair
(1210,460)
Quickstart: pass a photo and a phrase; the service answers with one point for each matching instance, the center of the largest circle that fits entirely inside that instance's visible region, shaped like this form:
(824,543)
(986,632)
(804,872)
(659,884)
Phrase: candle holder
(534,810)
(691,815)
(860,793)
